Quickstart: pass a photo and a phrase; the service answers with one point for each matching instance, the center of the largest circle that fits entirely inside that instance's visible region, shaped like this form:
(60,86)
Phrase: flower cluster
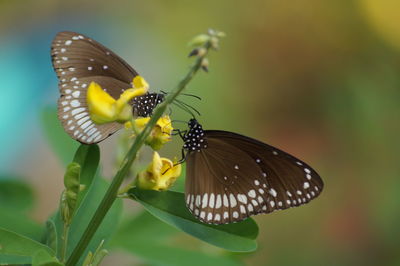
(103,108)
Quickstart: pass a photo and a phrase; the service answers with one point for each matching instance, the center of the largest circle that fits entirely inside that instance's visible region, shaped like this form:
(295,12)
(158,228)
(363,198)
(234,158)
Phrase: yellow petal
(141,122)
(159,175)
(101,104)
(140,82)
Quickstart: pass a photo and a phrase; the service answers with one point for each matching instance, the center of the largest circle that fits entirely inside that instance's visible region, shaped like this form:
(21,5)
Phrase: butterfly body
(230,177)
(144,105)
(79,60)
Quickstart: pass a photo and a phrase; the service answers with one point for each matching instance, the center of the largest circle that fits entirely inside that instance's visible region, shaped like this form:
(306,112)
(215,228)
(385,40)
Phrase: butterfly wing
(79,60)
(255,177)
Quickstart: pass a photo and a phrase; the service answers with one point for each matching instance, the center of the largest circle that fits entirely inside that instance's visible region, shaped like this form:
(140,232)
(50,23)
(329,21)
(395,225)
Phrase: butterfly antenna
(191,95)
(189,106)
(180,121)
(184,108)
(184,94)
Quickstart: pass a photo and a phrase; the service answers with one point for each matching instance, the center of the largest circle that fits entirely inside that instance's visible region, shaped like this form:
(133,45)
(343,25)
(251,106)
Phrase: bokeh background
(319,79)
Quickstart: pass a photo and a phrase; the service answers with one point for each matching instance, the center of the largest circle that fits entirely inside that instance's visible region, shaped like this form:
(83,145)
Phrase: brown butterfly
(230,177)
(78,60)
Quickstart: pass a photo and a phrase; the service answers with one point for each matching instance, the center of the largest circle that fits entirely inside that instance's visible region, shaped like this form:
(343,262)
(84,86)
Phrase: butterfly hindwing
(74,115)
(79,60)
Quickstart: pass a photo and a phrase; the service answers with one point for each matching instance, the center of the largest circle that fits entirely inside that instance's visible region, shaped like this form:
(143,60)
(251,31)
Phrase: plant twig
(112,191)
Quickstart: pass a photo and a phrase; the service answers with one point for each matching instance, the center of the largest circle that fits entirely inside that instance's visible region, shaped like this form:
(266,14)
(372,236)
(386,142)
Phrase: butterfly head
(144,105)
(194,139)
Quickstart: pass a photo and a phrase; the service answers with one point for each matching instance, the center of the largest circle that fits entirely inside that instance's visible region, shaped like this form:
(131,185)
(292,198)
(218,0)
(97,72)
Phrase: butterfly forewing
(79,60)
(252,176)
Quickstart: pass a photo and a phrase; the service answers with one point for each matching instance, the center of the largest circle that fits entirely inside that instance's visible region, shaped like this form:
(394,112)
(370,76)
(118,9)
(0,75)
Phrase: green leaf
(14,260)
(88,157)
(20,223)
(144,236)
(14,246)
(15,195)
(16,199)
(170,207)
(63,145)
(144,227)
(85,213)
(43,258)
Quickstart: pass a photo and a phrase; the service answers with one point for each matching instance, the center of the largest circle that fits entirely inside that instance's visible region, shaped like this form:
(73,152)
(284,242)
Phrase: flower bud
(204,64)
(199,40)
(198,52)
(70,194)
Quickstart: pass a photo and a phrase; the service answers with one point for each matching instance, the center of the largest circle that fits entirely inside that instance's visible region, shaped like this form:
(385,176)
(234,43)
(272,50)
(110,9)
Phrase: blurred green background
(318,79)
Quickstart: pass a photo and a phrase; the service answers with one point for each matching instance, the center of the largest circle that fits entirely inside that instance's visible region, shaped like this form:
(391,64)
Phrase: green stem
(65,242)
(112,191)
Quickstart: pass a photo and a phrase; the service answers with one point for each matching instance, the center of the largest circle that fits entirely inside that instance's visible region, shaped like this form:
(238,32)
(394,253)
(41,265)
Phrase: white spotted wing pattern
(232,177)
(77,61)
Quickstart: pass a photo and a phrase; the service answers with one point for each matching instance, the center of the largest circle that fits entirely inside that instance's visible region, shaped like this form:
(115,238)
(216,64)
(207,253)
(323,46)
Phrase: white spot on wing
(218,202)
(226,215)
(198,200)
(272,192)
(232,200)
(242,198)
(75,103)
(252,193)
(226,202)
(211,200)
(205,199)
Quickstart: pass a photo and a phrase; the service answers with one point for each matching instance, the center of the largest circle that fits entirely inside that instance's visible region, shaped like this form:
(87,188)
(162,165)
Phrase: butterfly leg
(183,158)
(179,132)
(178,162)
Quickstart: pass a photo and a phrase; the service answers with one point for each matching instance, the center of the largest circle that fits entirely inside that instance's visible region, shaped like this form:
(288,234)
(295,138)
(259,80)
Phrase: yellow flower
(159,175)
(160,134)
(105,109)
